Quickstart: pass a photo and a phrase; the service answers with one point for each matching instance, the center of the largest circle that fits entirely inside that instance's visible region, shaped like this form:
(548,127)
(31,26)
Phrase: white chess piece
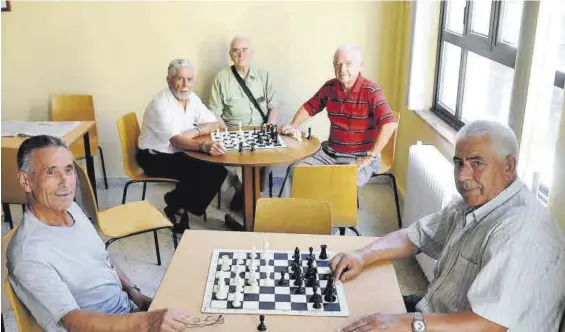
(254,286)
(254,252)
(238,298)
(222,292)
(239,124)
(225,263)
(240,258)
(265,254)
(298,135)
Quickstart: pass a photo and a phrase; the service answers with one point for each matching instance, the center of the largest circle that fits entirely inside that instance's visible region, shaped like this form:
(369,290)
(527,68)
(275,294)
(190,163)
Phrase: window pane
(455,11)
(510,20)
(480,18)
(450,62)
(488,85)
(548,134)
(561,60)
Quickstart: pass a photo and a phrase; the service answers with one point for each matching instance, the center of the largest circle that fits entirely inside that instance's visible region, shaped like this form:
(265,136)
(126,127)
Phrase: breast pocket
(457,284)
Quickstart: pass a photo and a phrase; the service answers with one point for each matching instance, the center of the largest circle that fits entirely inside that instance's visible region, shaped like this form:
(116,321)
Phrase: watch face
(419,326)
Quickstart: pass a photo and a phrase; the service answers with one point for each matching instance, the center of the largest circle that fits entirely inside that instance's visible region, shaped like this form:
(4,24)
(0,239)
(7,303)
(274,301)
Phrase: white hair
(504,141)
(176,64)
(352,50)
(241,37)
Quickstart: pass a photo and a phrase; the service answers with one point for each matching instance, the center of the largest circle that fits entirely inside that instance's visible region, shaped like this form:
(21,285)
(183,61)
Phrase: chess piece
(262,326)
(317,303)
(309,133)
(254,286)
(240,146)
(311,250)
(240,130)
(329,294)
(240,259)
(222,292)
(254,252)
(312,281)
(225,263)
(252,147)
(323,253)
(282,280)
(265,254)
(297,278)
(296,255)
(300,289)
(315,296)
(238,297)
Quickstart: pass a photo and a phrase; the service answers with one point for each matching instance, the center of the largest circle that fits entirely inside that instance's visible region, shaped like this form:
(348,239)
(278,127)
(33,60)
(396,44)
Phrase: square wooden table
(78,132)
(182,287)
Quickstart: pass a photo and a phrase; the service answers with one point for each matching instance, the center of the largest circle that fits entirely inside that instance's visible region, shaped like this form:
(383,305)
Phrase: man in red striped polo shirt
(361,119)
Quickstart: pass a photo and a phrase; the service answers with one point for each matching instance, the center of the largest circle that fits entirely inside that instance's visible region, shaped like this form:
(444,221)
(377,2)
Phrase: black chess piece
(323,253)
(315,296)
(252,147)
(296,254)
(300,289)
(283,281)
(317,303)
(262,326)
(312,281)
(240,146)
(329,294)
(311,250)
(297,278)
(309,133)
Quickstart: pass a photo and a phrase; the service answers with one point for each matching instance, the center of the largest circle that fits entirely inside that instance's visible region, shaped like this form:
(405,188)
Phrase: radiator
(430,187)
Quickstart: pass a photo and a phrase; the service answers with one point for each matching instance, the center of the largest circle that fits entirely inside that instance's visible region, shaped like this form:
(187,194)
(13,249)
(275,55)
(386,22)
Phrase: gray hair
(349,49)
(34,143)
(176,64)
(504,141)
(242,38)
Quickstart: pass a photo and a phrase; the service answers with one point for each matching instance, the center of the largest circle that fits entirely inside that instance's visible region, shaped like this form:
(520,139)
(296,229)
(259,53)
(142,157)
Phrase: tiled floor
(136,255)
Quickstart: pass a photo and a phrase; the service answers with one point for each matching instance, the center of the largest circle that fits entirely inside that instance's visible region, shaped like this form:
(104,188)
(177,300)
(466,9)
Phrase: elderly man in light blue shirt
(58,265)
(500,254)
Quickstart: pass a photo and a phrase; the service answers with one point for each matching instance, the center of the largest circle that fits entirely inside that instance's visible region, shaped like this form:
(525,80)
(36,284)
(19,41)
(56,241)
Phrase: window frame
(486,46)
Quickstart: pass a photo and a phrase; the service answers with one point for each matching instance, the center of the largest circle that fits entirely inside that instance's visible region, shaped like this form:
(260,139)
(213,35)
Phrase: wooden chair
(78,108)
(124,220)
(24,319)
(387,160)
(293,215)
(12,192)
(128,129)
(336,184)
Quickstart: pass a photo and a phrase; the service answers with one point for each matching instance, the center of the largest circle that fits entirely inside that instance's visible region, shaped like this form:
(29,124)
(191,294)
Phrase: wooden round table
(251,163)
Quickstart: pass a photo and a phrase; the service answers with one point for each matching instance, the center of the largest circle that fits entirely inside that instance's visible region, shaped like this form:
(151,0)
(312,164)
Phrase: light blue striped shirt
(505,261)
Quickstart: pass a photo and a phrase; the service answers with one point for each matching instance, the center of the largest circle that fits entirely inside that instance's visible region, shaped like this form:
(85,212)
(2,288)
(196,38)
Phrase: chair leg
(175,243)
(395,190)
(103,166)
(219,198)
(284,180)
(355,230)
(144,190)
(126,191)
(157,248)
(271,184)
(3,323)
(23,208)
(205,217)
(342,231)
(7,214)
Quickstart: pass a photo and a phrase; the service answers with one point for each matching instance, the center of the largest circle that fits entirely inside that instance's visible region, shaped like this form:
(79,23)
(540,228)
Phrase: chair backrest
(128,129)
(12,192)
(336,184)
(76,108)
(293,215)
(387,154)
(87,194)
(24,319)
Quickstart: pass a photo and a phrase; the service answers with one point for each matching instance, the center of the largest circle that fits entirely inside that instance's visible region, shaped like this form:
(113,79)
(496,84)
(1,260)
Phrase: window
(477,56)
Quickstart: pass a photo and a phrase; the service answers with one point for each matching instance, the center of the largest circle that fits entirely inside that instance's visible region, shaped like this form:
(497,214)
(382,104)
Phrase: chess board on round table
(271,298)
(259,139)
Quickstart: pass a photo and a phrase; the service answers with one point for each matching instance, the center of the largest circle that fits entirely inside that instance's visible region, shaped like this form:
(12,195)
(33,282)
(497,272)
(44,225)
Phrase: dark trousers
(199,181)
(410,302)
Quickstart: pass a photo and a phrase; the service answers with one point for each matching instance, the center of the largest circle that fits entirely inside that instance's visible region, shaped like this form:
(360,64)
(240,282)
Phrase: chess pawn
(240,258)
(225,263)
(254,286)
(222,292)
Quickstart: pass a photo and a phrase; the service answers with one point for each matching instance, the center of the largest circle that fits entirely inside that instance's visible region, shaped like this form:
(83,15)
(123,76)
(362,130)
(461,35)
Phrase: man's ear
(24,181)
(510,165)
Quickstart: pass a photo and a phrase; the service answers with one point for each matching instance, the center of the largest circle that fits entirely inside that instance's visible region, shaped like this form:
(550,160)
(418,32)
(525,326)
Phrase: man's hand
(365,161)
(168,320)
(379,322)
(288,130)
(214,149)
(346,266)
(141,301)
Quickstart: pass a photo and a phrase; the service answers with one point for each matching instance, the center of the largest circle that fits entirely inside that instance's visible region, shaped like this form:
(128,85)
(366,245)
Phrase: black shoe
(236,203)
(180,226)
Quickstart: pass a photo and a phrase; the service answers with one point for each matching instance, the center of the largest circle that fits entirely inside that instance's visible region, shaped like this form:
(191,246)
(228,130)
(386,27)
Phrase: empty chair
(293,215)
(78,108)
(124,220)
(335,184)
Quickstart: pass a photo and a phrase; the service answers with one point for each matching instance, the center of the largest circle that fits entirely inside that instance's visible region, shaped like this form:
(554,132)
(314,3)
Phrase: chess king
(243,93)
(361,120)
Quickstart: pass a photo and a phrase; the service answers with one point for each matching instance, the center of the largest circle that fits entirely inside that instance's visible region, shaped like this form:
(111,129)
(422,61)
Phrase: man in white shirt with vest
(500,254)
(171,122)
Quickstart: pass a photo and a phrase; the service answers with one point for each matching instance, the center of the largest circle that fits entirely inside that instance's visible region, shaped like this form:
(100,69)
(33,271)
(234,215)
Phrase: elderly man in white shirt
(171,122)
(501,255)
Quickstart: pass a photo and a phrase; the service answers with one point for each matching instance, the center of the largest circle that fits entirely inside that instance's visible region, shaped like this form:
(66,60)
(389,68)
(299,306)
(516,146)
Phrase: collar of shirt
(355,88)
(477,214)
(173,100)
(252,74)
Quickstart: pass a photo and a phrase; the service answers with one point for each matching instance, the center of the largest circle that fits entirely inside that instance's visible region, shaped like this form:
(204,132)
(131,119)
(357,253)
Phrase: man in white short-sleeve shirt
(58,265)
(172,121)
(500,254)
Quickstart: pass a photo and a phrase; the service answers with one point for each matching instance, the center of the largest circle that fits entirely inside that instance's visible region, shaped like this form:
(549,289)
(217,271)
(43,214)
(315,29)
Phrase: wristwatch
(133,287)
(200,146)
(418,324)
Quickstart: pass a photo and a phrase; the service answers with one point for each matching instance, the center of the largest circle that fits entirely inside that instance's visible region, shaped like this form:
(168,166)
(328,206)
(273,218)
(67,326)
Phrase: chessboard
(250,139)
(270,296)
